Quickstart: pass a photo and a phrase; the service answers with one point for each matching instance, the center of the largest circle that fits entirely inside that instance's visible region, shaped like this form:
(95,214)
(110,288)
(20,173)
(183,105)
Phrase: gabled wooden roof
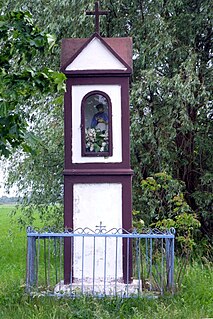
(120,47)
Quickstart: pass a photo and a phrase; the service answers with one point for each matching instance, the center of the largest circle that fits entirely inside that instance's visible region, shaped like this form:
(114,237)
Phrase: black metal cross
(97,13)
(100,228)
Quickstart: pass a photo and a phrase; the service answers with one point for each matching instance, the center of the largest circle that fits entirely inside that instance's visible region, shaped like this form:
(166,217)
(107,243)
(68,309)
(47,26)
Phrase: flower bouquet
(96,140)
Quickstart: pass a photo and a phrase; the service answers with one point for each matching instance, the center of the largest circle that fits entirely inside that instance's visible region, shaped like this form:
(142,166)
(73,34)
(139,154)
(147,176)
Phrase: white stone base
(99,288)
(94,205)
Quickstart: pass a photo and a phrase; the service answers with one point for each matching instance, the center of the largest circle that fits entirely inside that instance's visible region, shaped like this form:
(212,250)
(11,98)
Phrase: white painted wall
(95,56)
(95,203)
(114,92)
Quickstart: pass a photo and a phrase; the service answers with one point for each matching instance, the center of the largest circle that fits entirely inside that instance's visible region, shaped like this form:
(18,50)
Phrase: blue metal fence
(97,262)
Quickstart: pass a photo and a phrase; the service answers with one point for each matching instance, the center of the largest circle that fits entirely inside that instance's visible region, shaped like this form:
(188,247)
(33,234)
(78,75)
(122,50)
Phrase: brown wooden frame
(121,177)
(124,84)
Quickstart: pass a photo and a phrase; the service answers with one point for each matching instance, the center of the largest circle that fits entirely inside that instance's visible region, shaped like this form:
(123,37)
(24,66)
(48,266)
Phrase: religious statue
(100,119)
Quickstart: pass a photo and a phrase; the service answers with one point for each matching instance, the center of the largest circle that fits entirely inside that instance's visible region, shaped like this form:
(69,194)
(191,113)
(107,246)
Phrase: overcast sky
(2,179)
(2,192)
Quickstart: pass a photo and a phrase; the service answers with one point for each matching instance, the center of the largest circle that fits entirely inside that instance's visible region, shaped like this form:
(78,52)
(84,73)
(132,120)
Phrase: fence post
(170,263)
(31,257)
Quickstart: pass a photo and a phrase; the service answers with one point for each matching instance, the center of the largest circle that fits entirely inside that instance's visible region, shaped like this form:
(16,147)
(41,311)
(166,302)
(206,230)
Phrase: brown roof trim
(98,73)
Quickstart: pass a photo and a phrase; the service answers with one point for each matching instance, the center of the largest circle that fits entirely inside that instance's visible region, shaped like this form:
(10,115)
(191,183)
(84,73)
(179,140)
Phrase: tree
(172,108)
(23,79)
(39,175)
(171,103)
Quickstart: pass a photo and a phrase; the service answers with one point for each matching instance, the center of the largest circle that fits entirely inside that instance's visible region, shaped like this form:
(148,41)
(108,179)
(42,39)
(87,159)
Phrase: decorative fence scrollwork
(97,263)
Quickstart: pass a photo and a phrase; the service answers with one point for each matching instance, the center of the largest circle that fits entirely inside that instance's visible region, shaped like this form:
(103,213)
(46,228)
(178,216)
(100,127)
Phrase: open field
(194,301)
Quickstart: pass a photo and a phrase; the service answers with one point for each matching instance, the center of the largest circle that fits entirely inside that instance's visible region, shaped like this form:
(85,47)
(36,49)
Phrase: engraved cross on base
(97,13)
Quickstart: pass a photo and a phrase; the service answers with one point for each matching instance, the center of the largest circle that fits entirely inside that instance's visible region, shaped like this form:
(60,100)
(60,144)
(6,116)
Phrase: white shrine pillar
(97,174)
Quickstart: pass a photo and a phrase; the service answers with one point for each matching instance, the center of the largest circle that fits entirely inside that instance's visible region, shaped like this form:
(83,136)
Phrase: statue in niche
(100,119)
(96,125)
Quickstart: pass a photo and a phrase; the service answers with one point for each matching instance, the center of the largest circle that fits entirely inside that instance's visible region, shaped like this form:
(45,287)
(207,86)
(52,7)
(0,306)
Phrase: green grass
(194,301)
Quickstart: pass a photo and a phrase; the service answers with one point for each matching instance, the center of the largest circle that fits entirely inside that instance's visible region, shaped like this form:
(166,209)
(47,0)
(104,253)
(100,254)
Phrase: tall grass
(194,301)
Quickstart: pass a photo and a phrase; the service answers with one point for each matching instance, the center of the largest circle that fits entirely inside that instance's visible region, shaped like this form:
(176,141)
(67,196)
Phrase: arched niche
(96,124)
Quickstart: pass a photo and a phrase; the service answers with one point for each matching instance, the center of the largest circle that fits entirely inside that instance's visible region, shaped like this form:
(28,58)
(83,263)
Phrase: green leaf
(51,39)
